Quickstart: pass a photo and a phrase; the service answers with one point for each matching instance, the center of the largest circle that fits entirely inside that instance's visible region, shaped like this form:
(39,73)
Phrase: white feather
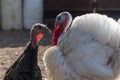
(119,20)
(84,51)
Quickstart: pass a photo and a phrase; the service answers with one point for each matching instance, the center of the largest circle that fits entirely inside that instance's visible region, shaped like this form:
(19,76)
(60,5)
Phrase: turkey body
(25,67)
(89,50)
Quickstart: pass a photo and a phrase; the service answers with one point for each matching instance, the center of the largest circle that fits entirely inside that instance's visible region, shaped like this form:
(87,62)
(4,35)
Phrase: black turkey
(26,67)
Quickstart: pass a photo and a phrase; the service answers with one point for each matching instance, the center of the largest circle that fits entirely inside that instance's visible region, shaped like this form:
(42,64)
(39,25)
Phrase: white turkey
(86,50)
(119,20)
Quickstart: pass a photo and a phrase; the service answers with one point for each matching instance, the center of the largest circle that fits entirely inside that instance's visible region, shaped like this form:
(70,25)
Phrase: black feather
(25,67)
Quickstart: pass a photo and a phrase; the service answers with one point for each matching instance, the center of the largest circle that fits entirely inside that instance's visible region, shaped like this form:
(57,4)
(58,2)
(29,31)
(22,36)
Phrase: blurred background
(22,14)
(17,17)
(79,7)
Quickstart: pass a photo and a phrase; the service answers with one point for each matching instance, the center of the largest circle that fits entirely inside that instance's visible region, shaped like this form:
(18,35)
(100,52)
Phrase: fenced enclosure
(19,14)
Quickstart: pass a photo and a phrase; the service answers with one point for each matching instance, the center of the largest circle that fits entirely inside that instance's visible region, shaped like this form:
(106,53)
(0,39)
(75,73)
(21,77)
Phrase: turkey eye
(59,18)
(40,27)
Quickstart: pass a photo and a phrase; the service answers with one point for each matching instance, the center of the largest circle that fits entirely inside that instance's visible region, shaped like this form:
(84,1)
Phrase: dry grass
(12,44)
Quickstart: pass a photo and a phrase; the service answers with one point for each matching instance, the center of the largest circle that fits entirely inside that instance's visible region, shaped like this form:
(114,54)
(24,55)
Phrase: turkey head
(62,23)
(37,32)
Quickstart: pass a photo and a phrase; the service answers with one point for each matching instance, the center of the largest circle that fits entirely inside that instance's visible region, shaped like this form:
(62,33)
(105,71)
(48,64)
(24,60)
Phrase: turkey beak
(48,30)
(57,26)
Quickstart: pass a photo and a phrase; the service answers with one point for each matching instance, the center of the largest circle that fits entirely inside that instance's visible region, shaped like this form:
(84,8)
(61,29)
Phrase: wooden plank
(67,5)
(106,5)
(81,5)
(0,15)
(11,14)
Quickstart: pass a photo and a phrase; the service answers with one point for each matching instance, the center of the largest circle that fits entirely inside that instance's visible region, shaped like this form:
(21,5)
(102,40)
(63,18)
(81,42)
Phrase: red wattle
(56,35)
(39,37)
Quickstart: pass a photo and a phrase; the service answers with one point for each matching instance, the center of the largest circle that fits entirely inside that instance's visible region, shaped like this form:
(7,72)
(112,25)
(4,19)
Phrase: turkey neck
(33,40)
(29,58)
(56,35)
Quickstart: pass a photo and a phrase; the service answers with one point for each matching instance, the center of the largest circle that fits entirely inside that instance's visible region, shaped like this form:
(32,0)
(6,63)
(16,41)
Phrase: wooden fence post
(0,15)
(32,12)
(11,11)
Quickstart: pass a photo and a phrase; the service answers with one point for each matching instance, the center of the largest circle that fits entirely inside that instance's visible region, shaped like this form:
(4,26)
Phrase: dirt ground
(12,44)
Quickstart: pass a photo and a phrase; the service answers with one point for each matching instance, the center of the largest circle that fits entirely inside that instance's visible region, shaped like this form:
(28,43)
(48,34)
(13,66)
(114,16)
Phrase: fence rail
(81,5)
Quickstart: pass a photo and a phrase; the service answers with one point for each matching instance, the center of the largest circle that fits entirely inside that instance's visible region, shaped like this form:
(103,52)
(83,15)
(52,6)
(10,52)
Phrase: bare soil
(12,44)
